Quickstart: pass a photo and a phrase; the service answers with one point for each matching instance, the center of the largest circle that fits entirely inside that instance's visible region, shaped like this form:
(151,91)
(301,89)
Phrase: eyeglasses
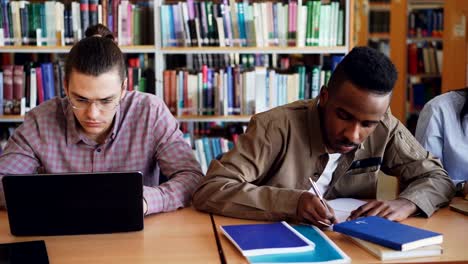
(101,104)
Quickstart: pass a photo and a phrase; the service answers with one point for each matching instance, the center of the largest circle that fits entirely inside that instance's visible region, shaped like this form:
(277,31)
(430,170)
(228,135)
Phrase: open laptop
(74,203)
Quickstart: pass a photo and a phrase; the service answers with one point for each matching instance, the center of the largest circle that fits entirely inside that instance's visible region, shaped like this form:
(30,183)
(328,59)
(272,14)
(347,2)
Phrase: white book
(384,253)
(220,27)
(264,17)
(185,18)
(272,79)
(257,24)
(201,155)
(59,22)
(99,13)
(225,95)
(33,87)
(76,20)
(51,20)
(301,27)
(260,89)
(15,14)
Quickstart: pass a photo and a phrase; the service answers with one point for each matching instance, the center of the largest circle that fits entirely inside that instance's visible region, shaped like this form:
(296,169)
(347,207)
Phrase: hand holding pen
(313,209)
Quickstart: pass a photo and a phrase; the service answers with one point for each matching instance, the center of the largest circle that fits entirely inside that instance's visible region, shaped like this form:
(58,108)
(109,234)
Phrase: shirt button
(98,150)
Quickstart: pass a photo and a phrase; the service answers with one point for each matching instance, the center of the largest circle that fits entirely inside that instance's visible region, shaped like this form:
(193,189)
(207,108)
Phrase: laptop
(74,203)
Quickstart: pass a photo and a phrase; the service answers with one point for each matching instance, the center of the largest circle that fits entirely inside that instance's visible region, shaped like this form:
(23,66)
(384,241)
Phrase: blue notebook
(388,233)
(325,252)
(260,239)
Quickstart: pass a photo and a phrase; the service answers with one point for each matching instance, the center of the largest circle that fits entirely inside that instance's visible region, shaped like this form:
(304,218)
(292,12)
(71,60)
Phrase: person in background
(101,127)
(442,129)
(340,141)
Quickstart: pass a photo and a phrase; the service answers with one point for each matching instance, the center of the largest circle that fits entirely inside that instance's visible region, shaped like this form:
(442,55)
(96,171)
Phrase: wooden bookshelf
(423,39)
(187,118)
(399,49)
(230,118)
(379,36)
(455,64)
(254,50)
(376,6)
(11,119)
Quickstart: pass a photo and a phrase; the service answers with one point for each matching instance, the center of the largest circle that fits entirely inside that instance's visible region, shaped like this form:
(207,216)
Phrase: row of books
(381,45)
(262,24)
(52,23)
(207,149)
(421,90)
(23,87)
(277,61)
(426,23)
(379,21)
(424,58)
(238,91)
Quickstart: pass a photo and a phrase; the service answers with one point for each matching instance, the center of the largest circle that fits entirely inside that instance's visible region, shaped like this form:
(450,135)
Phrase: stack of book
(282,243)
(390,240)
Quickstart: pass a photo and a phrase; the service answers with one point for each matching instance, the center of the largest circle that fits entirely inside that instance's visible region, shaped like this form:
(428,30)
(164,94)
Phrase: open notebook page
(344,206)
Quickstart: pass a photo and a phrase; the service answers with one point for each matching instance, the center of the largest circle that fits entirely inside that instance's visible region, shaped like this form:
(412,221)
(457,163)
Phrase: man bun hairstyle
(96,54)
(366,68)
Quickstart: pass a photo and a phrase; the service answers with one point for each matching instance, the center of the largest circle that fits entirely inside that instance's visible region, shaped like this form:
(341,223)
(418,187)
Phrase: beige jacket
(269,168)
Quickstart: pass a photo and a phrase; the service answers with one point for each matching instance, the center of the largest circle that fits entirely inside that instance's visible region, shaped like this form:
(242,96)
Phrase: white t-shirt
(326,177)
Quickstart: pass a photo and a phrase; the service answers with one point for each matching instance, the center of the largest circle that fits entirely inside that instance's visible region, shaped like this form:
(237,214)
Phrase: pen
(319,195)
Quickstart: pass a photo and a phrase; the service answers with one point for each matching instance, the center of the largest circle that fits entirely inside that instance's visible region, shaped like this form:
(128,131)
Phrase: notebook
(388,233)
(384,253)
(344,206)
(325,251)
(261,239)
(24,252)
(74,203)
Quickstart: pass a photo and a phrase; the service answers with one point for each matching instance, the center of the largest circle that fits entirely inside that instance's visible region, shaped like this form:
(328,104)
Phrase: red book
(8,82)
(18,82)
(40,88)
(130,78)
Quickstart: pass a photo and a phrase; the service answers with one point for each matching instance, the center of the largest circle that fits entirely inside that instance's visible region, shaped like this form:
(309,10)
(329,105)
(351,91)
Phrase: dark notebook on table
(74,203)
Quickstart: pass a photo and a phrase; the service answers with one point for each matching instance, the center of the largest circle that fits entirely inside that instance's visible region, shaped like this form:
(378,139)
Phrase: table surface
(453,225)
(183,236)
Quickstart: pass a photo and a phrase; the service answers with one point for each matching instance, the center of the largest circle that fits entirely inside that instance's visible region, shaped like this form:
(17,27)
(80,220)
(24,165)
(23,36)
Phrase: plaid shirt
(145,137)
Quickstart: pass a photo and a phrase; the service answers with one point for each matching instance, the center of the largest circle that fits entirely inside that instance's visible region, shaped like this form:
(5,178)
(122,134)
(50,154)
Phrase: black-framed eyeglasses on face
(108,104)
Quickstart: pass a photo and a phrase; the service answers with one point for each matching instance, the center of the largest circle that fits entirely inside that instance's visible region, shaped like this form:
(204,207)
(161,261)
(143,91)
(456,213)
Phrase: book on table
(384,253)
(325,251)
(261,239)
(389,234)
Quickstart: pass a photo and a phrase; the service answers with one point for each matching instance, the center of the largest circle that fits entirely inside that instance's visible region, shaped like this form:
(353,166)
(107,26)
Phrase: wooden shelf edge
(11,118)
(66,49)
(230,118)
(247,50)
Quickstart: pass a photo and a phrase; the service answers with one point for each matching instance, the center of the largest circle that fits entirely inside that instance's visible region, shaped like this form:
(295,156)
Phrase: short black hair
(366,68)
(96,54)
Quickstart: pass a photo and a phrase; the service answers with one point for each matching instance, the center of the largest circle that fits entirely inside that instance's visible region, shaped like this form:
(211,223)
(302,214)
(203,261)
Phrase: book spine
(93,12)
(84,12)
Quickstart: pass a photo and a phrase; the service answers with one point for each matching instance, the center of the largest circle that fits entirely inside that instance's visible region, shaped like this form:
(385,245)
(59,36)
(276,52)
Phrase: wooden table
(183,236)
(453,225)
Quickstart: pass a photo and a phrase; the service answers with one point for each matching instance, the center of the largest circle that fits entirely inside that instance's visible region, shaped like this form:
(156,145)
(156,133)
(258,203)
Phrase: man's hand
(311,210)
(395,210)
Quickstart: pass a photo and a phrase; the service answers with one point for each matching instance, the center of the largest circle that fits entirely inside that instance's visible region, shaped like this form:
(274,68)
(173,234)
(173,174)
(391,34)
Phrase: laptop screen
(74,203)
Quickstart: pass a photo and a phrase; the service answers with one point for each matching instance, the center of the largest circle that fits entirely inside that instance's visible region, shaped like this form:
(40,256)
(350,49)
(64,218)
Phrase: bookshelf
(162,54)
(373,24)
(455,65)
(167,47)
(417,54)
